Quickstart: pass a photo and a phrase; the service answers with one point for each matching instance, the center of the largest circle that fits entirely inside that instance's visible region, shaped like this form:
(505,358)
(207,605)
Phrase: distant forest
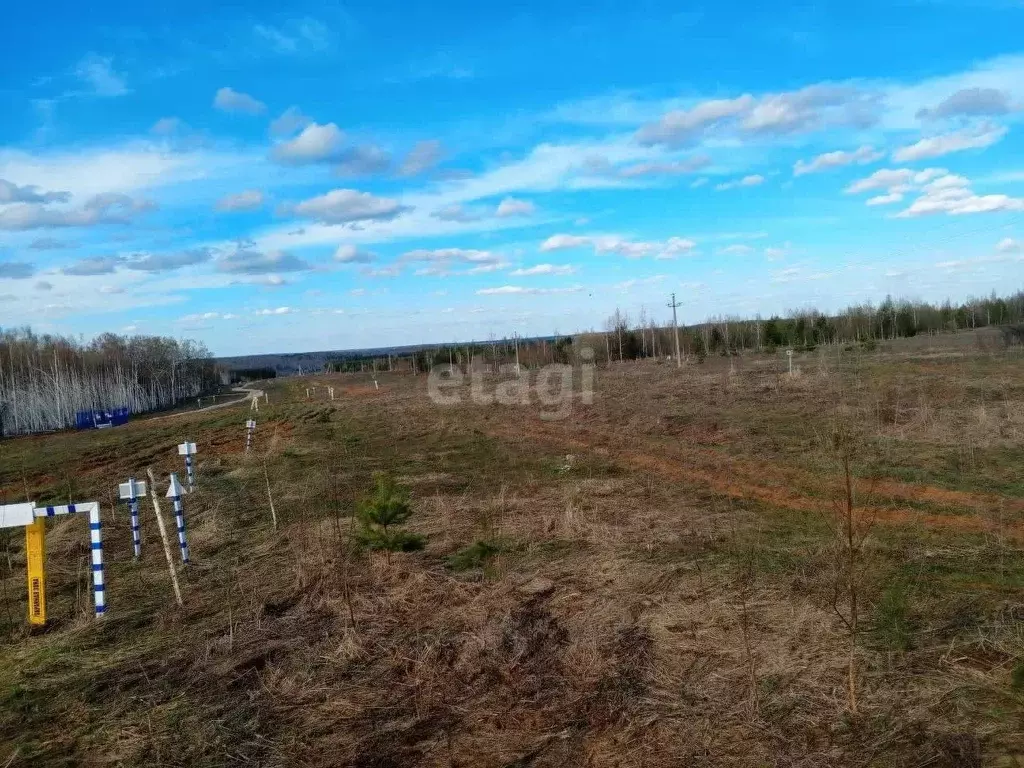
(45,380)
(626,338)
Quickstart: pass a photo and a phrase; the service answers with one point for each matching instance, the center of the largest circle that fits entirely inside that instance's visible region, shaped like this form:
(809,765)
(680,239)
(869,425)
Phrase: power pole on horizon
(675,327)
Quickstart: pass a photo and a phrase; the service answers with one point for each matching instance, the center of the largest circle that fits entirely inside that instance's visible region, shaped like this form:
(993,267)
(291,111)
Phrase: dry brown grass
(661,591)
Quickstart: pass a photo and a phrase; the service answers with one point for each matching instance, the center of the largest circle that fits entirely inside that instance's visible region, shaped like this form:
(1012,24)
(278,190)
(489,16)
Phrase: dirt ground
(668,575)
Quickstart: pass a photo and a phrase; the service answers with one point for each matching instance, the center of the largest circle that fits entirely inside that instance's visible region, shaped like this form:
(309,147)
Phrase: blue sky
(339,176)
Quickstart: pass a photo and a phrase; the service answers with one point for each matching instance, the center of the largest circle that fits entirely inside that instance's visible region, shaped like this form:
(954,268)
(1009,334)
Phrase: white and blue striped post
(130,492)
(92,508)
(187,450)
(250,428)
(175,492)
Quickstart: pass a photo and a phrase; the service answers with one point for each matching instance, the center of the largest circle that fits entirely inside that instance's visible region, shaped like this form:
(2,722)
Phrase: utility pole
(675,327)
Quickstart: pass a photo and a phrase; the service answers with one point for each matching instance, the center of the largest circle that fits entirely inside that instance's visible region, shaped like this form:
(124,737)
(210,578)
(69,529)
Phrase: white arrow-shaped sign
(175,489)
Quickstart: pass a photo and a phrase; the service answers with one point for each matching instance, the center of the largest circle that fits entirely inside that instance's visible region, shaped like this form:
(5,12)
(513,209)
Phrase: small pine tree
(381,515)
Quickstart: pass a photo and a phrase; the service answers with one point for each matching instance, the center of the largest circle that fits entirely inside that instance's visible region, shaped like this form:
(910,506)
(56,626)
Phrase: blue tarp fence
(100,419)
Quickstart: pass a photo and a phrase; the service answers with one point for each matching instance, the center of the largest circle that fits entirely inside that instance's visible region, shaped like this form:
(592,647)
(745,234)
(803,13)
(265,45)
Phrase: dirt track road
(248,394)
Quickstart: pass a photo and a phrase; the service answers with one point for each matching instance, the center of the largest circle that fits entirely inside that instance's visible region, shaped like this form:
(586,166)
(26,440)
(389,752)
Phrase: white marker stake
(175,492)
(789,354)
(250,427)
(131,491)
(163,535)
(187,450)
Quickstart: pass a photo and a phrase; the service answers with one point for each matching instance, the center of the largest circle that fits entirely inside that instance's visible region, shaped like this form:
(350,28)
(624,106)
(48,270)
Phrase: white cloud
(482,269)
(97,72)
(349,254)
(906,104)
(683,126)
(97,265)
(250,262)
(295,37)
(167,126)
(510,206)
(363,160)
(167,262)
(960,205)
(629,248)
(752,180)
(970,102)
(449,256)
(12,193)
(958,141)
(861,156)
(886,199)
(271,281)
(276,311)
(545,168)
(674,247)
(549,167)
(249,200)
(230,100)
(953,196)
(814,107)
(561,242)
(290,121)
(200,317)
(344,206)
(16,270)
(424,156)
(669,249)
(544,269)
(893,178)
(49,244)
(126,168)
(515,290)
(663,168)
(938,192)
(1009,245)
(109,208)
(315,144)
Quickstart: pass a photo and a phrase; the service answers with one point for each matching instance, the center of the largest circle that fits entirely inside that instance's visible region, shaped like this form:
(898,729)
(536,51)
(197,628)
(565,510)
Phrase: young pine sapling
(381,518)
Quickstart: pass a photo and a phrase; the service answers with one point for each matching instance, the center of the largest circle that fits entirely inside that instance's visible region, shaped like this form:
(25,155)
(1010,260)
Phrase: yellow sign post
(35,557)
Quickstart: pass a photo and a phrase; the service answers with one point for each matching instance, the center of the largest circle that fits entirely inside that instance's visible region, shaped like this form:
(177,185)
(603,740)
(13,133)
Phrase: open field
(664,577)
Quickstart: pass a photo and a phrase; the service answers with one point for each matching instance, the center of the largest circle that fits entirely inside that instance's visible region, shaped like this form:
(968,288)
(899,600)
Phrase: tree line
(528,353)
(46,379)
(625,338)
(805,329)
